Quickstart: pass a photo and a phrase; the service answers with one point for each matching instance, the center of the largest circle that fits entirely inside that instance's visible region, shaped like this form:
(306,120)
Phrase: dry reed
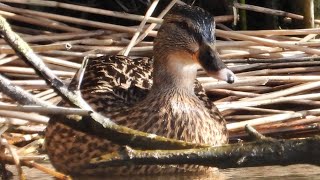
(276,91)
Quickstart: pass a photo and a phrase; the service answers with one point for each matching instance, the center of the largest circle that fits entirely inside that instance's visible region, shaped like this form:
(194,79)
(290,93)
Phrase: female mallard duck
(158,97)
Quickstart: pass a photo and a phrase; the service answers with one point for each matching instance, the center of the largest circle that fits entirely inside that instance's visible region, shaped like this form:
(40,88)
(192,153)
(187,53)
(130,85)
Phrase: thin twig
(15,157)
(44,110)
(31,164)
(37,22)
(38,48)
(153,25)
(285,92)
(86,9)
(23,70)
(143,22)
(60,36)
(254,133)
(72,20)
(25,116)
(270,11)
(264,41)
(226,105)
(19,94)
(273,118)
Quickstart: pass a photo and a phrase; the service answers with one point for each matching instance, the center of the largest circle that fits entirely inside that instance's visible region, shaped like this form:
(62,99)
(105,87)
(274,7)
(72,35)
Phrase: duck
(158,95)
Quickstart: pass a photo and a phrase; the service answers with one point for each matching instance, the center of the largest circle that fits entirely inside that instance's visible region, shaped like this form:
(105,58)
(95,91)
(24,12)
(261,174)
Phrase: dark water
(294,172)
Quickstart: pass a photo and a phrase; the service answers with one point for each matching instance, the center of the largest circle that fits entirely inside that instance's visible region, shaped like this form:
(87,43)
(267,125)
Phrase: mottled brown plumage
(157,96)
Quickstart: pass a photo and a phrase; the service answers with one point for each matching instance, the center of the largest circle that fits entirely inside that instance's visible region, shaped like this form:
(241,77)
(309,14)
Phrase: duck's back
(113,83)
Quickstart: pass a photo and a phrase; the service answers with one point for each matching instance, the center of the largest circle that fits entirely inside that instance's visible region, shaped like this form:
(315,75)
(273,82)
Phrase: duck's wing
(111,83)
(201,94)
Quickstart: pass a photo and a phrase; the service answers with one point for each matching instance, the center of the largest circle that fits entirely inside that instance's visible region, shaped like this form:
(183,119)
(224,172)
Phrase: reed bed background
(278,71)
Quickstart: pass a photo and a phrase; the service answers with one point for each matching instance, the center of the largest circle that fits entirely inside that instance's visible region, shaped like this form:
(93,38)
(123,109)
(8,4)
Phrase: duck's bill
(213,65)
(224,74)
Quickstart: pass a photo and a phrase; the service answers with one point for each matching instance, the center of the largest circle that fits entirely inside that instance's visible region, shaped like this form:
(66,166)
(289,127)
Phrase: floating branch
(261,153)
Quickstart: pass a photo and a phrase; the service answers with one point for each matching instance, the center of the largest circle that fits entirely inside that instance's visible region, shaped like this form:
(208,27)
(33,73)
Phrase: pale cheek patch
(182,57)
(182,61)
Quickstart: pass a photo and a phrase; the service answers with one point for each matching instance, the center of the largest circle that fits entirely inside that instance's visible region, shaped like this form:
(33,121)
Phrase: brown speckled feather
(122,82)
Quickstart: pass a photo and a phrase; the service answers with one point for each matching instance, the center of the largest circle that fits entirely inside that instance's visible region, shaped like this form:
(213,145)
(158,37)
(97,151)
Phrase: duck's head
(186,39)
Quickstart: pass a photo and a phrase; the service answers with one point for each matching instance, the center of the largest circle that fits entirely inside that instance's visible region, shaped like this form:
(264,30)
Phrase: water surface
(292,172)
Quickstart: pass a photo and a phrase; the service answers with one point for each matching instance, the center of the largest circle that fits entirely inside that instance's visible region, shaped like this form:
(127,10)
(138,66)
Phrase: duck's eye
(183,25)
(190,28)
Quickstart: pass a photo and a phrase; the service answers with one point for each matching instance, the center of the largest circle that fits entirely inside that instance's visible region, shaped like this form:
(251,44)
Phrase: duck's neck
(172,73)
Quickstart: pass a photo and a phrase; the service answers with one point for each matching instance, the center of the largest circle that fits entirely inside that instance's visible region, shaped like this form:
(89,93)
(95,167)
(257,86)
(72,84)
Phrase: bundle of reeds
(278,70)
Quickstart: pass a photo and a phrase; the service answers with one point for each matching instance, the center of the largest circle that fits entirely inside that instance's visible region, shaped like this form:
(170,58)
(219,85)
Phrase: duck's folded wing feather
(112,83)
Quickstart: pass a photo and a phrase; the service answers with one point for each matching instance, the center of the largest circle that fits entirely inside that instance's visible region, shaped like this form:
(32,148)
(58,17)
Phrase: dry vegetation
(276,91)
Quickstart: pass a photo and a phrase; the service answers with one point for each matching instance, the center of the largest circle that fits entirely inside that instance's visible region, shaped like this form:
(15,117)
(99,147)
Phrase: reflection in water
(300,171)
(252,173)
